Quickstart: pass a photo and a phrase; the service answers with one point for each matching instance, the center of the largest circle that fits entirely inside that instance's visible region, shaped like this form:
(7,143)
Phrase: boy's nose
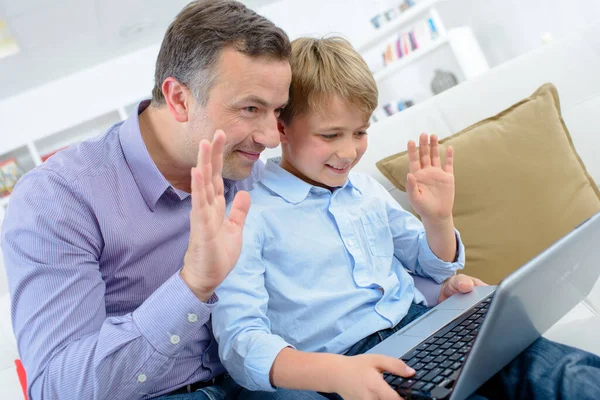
(347,153)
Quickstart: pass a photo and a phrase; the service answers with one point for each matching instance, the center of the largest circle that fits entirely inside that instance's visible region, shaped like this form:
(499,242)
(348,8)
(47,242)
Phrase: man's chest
(141,251)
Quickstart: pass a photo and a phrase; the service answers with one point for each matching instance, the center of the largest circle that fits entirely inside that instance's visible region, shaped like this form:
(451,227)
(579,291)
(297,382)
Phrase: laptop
(462,342)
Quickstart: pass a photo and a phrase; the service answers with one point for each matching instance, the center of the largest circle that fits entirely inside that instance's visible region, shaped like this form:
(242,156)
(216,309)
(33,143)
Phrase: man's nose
(268,134)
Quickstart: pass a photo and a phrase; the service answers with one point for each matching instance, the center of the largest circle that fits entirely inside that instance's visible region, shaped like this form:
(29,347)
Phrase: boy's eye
(331,136)
(361,133)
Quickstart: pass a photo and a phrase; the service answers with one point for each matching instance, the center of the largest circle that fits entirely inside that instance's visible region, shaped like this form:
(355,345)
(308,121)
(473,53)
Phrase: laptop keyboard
(438,360)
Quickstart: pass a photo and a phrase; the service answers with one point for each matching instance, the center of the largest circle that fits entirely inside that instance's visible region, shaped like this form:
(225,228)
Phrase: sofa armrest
(429,288)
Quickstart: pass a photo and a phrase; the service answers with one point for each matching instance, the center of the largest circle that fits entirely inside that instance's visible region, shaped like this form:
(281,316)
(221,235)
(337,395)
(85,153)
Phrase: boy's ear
(282,131)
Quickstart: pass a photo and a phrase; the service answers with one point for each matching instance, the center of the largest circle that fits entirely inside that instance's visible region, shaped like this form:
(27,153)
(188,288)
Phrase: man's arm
(69,348)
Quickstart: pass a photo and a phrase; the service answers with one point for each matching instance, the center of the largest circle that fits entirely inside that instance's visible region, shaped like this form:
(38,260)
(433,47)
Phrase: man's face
(321,148)
(245,102)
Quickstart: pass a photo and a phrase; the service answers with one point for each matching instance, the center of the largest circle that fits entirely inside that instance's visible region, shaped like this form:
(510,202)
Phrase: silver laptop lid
(531,300)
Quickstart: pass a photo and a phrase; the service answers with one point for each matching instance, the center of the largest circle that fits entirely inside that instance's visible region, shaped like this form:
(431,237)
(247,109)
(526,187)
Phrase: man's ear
(176,97)
(282,131)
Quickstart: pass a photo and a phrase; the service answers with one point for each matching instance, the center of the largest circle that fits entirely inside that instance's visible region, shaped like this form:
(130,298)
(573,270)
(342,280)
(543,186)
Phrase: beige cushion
(520,184)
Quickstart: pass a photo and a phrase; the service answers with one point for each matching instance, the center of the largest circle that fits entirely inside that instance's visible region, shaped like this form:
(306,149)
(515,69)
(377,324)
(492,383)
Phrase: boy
(322,274)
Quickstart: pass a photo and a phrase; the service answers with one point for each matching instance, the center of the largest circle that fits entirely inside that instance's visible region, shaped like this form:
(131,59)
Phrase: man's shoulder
(92,163)
(88,158)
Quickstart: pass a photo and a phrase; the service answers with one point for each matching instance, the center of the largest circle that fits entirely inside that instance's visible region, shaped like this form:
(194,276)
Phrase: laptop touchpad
(430,323)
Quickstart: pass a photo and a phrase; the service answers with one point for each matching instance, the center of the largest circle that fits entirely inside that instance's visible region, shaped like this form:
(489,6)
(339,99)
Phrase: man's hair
(325,67)
(193,43)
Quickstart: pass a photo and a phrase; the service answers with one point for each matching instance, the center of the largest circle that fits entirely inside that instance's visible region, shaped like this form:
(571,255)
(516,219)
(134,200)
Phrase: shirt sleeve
(69,347)
(240,324)
(410,243)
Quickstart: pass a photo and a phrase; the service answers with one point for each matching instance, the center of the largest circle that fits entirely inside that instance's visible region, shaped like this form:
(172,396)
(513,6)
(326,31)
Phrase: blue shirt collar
(150,181)
(291,188)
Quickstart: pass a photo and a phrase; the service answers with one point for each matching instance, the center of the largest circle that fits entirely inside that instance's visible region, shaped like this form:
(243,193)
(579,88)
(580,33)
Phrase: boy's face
(321,148)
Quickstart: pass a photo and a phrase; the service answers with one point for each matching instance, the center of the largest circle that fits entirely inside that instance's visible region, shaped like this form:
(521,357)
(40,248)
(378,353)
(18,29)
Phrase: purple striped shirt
(93,242)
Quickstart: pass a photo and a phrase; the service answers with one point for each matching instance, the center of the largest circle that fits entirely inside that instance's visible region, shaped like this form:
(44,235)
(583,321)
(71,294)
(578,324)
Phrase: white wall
(508,28)
(505,28)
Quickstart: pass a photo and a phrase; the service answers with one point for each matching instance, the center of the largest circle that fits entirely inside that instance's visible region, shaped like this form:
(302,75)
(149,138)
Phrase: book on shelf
(388,15)
(389,109)
(408,41)
(10,172)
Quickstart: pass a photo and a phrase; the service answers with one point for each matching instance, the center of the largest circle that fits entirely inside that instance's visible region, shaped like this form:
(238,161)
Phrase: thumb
(239,208)
(463,283)
(394,366)
(411,184)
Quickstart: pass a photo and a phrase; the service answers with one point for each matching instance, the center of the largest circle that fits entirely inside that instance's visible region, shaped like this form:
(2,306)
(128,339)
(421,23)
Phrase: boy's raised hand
(362,377)
(430,187)
(215,240)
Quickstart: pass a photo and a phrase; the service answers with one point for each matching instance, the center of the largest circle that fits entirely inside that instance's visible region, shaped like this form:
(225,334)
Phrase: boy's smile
(322,147)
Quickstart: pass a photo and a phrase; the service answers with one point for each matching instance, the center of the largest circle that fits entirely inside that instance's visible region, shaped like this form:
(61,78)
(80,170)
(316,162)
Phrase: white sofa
(573,65)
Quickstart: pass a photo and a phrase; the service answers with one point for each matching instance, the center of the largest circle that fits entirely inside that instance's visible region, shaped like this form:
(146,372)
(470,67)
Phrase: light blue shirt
(319,271)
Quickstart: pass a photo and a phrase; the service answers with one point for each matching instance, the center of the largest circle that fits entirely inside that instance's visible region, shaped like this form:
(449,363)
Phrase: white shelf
(392,27)
(397,65)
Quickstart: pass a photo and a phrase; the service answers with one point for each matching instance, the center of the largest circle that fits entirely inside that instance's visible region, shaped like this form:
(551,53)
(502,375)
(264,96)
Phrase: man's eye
(251,109)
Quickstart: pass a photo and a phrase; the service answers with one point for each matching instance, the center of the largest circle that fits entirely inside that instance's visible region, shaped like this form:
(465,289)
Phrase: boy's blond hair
(325,67)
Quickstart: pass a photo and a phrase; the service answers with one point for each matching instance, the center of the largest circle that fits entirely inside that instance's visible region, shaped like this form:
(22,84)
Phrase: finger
(198,193)
(239,208)
(411,184)
(205,166)
(394,366)
(424,150)
(463,284)
(413,158)
(449,161)
(218,145)
(435,152)
(448,289)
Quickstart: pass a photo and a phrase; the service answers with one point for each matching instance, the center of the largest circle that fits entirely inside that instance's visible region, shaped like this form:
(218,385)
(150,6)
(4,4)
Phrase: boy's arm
(260,360)
(430,189)
(247,347)
(358,377)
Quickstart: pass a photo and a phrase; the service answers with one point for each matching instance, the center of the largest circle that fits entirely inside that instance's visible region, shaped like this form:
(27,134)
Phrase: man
(111,283)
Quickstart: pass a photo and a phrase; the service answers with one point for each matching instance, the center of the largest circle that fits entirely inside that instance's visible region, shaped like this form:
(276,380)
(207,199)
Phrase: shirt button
(192,317)
(175,339)
(351,242)
(141,378)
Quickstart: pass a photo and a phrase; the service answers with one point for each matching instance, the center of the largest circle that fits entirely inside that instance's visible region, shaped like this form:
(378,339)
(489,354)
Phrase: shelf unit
(455,50)
(30,152)
(392,27)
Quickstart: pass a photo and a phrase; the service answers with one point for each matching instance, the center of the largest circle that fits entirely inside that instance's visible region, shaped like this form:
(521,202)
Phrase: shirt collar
(150,181)
(291,188)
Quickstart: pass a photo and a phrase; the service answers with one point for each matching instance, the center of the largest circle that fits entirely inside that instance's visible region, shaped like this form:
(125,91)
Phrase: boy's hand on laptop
(460,283)
(215,240)
(362,377)
(430,187)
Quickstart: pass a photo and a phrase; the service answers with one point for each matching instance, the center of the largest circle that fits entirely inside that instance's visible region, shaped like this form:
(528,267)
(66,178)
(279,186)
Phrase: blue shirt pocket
(378,234)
